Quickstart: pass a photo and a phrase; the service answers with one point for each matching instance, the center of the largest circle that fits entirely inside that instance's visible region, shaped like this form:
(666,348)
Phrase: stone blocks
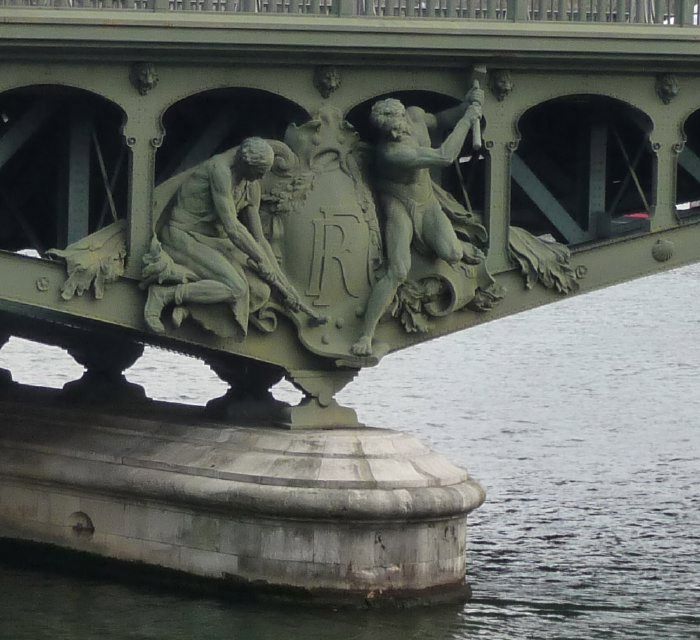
(337,515)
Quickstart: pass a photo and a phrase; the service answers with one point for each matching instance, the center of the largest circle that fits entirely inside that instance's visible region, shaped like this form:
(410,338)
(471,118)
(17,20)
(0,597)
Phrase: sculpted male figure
(212,244)
(412,207)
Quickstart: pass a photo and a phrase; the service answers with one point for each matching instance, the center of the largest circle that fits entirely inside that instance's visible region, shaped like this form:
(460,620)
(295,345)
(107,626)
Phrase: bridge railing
(659,12)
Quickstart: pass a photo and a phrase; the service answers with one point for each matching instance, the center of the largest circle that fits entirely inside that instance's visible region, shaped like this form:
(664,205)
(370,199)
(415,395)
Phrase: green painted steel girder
(221,38)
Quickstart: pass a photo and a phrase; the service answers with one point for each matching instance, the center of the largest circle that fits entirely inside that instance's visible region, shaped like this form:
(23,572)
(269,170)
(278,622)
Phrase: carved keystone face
(501,84)
(143,77)
(326,80)
(666,87)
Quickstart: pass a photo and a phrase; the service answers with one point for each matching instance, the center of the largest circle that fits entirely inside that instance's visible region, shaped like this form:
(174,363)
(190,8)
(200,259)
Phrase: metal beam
(79,151)
(608,263)
(203,147)
(546,202)
(690,161)
(28,124)
(596,175)
(10,205)
(627,179)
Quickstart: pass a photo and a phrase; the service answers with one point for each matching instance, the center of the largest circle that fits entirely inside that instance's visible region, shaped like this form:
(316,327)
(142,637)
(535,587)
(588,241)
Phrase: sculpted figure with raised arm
(410,202)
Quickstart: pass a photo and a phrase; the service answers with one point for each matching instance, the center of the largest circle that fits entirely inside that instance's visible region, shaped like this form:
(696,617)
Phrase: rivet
(662,250)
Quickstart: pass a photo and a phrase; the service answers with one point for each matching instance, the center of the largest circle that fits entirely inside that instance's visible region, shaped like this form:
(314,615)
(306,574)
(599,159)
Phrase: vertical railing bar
(345,7)
(686,10)
(621,11)
(639,13)
(562,11)
(659,10)
(599,11)
(517,10)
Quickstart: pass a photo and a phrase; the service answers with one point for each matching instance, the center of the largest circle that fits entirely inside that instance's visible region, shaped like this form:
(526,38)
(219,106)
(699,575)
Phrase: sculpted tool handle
(476,126)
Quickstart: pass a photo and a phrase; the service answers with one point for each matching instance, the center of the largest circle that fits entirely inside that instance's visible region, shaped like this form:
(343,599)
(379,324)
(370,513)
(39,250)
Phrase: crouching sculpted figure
(419,215)
(209,247)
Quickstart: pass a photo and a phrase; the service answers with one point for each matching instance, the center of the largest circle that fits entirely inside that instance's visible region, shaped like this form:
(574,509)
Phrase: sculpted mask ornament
(143,77)
(666,87)
(326,80)
(500,84)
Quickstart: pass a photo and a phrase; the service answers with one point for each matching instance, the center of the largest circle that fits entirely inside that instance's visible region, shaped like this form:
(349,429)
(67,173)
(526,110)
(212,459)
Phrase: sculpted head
(143,77)
(254,158)
(500,83)
(326,80)
(389,116)
(666,87)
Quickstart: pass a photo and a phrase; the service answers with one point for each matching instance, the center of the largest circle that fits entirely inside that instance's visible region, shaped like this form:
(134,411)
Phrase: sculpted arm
(222,195)
(269,270)
(439,121)
(449,117)
(251,216)
(403,156)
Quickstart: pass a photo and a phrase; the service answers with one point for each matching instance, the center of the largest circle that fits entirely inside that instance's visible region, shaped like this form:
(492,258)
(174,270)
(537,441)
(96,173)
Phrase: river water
(581,421)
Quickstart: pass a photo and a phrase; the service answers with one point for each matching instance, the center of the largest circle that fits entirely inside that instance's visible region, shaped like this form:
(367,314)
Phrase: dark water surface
(580,420)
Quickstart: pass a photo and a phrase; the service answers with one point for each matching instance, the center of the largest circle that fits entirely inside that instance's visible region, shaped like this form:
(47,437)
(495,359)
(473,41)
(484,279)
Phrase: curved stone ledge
(339,499)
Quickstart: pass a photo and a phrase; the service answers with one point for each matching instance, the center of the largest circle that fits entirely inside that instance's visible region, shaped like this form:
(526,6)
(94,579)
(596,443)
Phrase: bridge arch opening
(63,166)
(207,123)
(583,170)
(466,180)
(688,174)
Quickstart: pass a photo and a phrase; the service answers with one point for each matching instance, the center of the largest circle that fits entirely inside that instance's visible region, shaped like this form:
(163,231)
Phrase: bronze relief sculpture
(353,246)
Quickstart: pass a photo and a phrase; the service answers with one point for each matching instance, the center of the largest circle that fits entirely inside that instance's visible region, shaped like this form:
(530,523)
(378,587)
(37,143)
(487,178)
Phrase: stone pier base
(339,516)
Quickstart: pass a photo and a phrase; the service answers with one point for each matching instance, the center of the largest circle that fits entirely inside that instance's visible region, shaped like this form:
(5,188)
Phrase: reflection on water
(580,421)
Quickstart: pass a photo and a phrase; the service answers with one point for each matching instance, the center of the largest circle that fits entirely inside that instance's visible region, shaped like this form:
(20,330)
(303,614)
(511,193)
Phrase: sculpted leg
(440,236)
(203,292)
(220,281)
(399,233)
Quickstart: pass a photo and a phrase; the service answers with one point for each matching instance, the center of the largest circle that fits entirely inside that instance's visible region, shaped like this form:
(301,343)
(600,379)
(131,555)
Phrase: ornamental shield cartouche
(323,227)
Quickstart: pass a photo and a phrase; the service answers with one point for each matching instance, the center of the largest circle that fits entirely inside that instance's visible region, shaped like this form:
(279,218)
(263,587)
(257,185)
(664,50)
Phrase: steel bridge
(591,131)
